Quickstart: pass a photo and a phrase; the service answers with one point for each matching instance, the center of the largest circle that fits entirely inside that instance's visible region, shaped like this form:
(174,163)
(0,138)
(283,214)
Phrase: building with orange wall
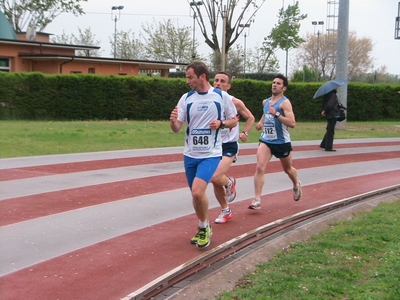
(35,53)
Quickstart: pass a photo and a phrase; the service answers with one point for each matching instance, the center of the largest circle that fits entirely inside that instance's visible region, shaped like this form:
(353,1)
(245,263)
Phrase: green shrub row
(38,96)
(255,76)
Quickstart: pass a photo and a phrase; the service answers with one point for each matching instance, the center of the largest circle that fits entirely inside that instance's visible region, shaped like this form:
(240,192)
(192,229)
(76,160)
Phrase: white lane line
(29,242)
(20,162)
(43,184)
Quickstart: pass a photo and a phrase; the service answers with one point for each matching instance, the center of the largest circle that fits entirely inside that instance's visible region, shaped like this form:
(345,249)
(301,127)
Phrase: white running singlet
(198,110)
(229,135)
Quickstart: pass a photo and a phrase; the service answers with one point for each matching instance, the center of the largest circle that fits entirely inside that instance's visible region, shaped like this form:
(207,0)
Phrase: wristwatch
(222,126)
(277,114)
(245,133)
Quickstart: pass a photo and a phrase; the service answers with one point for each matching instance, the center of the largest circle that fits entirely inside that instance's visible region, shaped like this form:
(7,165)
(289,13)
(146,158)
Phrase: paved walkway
(102,225)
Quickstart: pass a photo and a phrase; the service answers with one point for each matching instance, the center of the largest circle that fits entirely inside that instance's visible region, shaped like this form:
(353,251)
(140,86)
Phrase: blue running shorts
(203,168)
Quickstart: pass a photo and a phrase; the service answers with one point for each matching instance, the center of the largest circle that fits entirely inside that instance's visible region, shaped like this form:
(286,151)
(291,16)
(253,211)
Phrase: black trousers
(327,141)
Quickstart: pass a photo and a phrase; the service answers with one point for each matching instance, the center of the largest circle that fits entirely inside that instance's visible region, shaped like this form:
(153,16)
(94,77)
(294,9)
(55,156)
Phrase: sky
(373,19)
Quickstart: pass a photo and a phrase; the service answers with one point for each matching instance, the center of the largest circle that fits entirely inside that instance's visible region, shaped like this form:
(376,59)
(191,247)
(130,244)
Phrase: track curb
(211,281)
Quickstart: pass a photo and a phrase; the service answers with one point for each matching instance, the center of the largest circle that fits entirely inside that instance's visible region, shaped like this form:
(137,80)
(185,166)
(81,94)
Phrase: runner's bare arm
(288,118)
(247,115)
(175,124)
(260,123)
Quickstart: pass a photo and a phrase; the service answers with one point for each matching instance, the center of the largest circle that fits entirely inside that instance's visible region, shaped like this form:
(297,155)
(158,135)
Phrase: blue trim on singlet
(276,105)
(218,91)
(191,92)
(219,117)
(281,129)
(188,117)
(219,110)
(217,104)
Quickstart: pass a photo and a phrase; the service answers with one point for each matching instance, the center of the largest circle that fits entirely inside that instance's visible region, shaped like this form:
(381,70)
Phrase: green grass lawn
(356,259)
(28,138)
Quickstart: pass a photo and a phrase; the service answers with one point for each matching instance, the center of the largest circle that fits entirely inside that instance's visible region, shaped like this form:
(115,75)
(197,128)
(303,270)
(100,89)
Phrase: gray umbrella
(329,86)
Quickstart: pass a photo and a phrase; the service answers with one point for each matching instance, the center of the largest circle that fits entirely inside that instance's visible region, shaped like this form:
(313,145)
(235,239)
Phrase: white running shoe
(231,190)
(223,217)
(255,204)
(297,192)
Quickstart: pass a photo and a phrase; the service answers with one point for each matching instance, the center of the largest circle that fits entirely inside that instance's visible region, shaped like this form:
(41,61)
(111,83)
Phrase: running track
(102,225)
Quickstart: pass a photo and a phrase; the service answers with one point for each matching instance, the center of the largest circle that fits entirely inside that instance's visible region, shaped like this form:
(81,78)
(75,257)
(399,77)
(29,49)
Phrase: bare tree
(360,50)
(235,58)
(211,12)
(128,47)
(62,39)
(316,54)
(165,41)
(262,59)
(284,35)
(40,13)
(85,38)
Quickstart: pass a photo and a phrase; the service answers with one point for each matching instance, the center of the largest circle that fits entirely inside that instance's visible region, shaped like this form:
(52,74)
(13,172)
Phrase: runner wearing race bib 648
(206,111)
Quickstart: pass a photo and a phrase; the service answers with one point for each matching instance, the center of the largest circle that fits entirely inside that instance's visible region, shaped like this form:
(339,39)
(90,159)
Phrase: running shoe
(196,237)
(204,238)
(223,217)
(297,192)
(231,190)
(255,204)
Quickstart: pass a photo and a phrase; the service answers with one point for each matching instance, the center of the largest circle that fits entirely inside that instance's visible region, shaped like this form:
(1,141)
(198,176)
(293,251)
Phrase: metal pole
(317,55)
(315,23)
(244,57)
(343,53)
(194,34)
(287,53)
(223,54)
(244,26)
(287,50)
(115,19)
(196,4)
(115,37)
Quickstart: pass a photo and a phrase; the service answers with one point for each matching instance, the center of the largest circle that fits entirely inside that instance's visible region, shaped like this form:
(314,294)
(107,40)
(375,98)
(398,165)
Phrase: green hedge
(38,96)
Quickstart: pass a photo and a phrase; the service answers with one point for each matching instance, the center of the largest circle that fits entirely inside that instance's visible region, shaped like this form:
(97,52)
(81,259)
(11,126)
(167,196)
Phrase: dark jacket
(331,105)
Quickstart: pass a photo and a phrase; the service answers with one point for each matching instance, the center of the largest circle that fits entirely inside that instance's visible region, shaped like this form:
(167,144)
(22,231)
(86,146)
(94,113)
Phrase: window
(75,72)
(92,71)
(4,64)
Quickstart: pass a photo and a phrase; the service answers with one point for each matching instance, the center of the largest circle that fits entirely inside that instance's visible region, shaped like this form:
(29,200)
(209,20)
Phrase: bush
(39,96)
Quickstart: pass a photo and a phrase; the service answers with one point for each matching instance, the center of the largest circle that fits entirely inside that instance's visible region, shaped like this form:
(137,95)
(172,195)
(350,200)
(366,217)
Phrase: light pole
(315,23)
(223,54)
(194,3)
(397,25)
(247,25)
(115,17)
(289,39)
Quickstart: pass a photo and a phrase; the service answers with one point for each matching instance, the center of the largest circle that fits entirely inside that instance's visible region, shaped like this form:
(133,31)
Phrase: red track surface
(114,268)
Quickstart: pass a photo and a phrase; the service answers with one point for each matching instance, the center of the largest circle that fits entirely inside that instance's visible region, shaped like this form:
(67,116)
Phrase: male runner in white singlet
(206,111)
(225,187)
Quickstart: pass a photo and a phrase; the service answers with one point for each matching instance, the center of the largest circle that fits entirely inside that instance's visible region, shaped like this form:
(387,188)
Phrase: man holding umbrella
(330,110)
